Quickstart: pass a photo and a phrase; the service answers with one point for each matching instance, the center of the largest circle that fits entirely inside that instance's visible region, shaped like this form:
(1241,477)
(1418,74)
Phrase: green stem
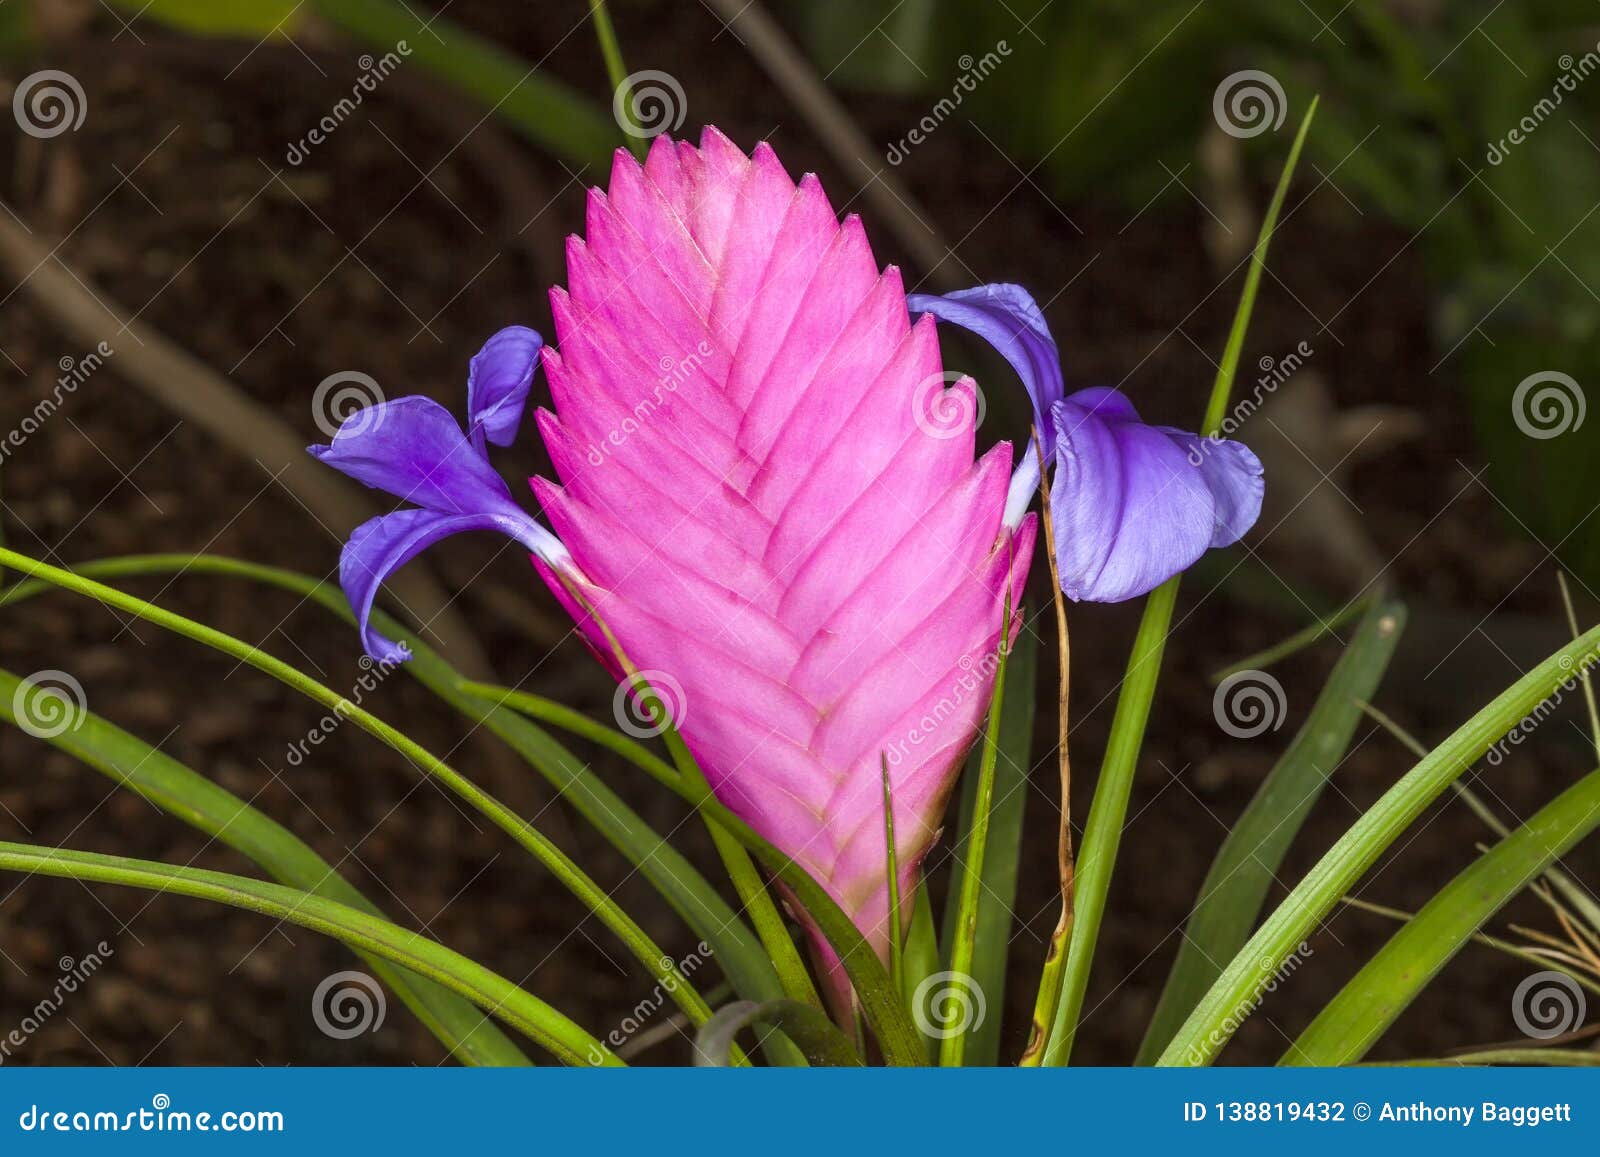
(660,966)
(488,990)
(618,73)
(1103,832)
(1103,829)
(897,950)
(952,1048)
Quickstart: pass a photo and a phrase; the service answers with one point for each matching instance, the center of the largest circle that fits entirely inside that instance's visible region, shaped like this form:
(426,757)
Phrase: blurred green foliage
(1420,98)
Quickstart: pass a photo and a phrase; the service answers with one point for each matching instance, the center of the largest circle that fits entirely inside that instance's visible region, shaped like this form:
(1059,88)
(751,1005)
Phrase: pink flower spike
(768,490)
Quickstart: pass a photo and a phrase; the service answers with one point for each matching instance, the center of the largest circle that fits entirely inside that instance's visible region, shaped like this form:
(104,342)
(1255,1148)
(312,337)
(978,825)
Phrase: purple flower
(413,449)
(1132,504)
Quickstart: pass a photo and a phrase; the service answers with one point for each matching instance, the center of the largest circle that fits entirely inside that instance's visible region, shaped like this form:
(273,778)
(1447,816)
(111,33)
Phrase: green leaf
(1247,863)
(1102,833)
(970,856)
(1215,1018)
(818,1037)
(1574,1058)
(998,894)
(182,792)
(1352,1021)
(416,953)
(661,967)
(541,108)
(685,890)
(257,19)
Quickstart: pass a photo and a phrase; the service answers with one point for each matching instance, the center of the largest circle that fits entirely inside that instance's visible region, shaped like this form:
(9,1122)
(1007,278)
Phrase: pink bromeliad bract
(766,489)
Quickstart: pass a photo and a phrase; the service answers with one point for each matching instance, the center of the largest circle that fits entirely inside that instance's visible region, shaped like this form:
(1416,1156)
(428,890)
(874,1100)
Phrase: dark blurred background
(1417,365)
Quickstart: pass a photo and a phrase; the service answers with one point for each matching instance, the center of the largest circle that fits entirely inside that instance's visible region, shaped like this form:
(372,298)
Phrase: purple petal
(412,448)
(497,385)
(1135,504)
(1007,317)
(383,545)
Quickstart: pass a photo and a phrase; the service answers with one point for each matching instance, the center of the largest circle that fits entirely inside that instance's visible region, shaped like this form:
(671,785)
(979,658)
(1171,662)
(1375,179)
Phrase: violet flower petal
(382,545)
(498,382)
(1007,317)
(413,449)
(1135,504)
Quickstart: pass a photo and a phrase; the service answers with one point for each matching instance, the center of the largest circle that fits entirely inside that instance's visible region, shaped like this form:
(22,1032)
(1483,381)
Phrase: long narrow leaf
(186,794)
(685,890)
(953,1043)
(525,96)
(416,953)
(999,877)
(661,967)
(1352,1021)
(1247,863)
(1217,1015)
(1102,833)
